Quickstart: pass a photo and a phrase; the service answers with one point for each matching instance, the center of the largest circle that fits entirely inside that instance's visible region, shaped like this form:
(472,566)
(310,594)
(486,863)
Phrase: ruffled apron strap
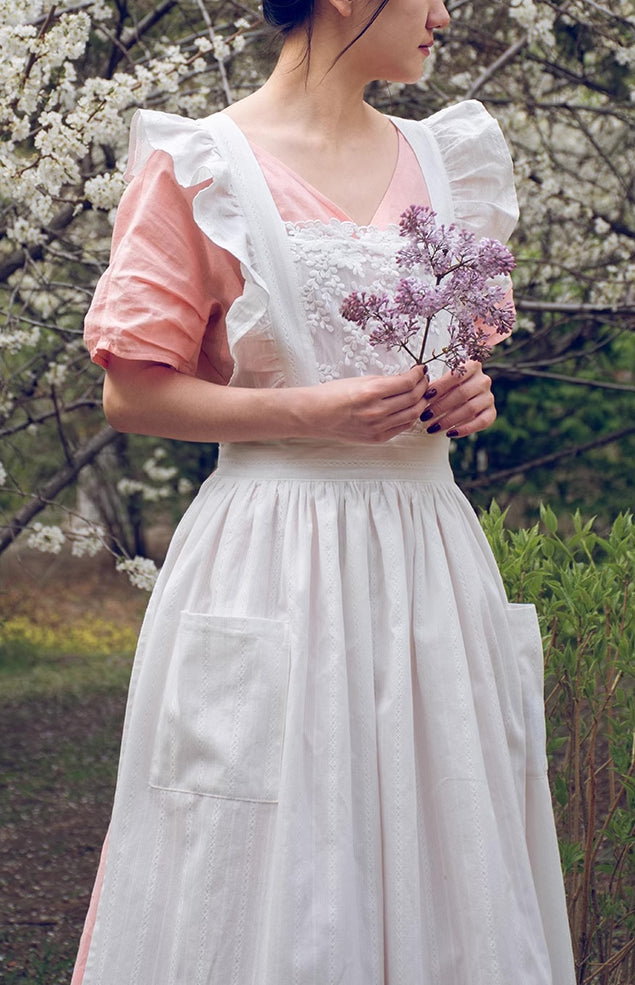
(271,248)
(426,149)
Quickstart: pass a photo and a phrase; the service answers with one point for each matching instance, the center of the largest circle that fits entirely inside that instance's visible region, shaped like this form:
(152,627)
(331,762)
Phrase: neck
(320,95)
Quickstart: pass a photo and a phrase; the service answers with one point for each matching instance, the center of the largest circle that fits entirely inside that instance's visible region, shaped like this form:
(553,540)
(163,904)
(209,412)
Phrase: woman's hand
(460,405)
(363,409)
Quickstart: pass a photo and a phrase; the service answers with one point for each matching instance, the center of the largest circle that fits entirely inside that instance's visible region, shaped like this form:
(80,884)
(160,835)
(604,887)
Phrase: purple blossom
(415,298)
(451,271)
(493,258)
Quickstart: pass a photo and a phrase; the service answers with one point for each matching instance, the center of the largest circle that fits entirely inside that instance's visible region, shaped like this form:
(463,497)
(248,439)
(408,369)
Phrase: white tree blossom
(559,78)
(48,539)
(141,571)
(87,541)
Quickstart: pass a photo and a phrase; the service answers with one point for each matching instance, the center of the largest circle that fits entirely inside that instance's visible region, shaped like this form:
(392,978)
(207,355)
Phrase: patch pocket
(221,723)
(525,632)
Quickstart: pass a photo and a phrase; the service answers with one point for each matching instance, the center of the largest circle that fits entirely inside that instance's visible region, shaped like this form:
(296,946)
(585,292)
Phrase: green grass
(48,661)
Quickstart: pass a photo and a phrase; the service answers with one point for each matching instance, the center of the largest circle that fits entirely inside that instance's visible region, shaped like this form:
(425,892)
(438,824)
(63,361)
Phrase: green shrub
(581,584)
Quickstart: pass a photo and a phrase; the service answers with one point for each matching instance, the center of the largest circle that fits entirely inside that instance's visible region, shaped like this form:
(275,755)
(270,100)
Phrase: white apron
(333,767)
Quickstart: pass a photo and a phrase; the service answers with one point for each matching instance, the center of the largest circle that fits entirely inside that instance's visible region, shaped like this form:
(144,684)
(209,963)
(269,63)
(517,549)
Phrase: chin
(404,74)
(405,78)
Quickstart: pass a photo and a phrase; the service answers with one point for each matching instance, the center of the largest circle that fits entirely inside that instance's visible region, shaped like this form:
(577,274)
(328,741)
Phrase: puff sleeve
(479,169)
(179,258)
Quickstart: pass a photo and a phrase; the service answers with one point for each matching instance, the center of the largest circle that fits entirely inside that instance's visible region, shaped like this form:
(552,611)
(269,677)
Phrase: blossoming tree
(70,78)
(559,77)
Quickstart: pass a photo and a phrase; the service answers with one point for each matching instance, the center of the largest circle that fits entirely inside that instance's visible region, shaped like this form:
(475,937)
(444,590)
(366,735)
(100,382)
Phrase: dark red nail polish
(430,393)
(453,433)
(434,427)
(427,414)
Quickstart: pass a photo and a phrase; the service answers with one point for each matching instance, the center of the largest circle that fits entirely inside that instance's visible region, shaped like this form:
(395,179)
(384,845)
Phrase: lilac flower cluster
(452,273)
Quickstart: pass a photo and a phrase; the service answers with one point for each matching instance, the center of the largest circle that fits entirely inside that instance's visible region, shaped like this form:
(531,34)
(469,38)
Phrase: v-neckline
(261,233)
(338,212)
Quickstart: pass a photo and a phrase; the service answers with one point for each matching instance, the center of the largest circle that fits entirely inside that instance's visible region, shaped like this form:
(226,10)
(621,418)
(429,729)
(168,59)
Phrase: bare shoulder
(256,115)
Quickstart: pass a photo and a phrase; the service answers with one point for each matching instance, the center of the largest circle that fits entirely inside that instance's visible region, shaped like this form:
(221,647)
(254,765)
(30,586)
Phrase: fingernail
(430,393)
(453,433)
(427,414)
(434,427)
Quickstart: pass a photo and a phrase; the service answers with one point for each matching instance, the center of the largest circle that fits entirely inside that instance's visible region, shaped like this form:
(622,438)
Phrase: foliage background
(582,586)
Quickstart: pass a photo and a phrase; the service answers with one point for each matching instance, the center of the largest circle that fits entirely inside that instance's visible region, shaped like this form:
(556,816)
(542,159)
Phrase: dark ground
(58,762)
(58,759)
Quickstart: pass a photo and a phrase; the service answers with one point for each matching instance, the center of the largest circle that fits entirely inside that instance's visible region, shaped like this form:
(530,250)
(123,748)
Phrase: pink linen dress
(333,767)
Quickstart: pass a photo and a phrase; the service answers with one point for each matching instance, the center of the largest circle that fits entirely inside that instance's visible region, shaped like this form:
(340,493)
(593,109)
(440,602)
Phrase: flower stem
(427,328)
(410,353)
(424,340)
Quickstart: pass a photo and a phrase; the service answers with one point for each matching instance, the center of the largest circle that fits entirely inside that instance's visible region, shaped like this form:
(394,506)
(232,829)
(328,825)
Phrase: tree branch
(555,456)
(501,369)
(492,69)
(89,402)
(221,67)
(131,36)
(16,259)
(558,71)
(72,9)
(610,14)
(575,308)
(63,478)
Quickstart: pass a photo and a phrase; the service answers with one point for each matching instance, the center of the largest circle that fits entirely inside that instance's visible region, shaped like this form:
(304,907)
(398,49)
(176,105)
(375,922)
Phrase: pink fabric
(297,200)
(84,944)
(167,289)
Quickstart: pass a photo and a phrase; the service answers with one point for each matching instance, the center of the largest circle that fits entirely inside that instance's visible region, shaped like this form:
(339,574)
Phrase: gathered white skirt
(333,767)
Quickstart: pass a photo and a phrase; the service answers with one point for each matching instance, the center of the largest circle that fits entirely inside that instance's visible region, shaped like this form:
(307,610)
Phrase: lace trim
(332,259)
(344,227)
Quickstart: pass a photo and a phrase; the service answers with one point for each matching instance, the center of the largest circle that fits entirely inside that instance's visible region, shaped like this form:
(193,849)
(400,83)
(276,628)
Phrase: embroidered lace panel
(332,260)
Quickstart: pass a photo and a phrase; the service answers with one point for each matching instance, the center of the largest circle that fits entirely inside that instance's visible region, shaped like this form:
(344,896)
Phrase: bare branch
(221,68)
(60,428)
(133,35)
(62,478)
(503,370)
(57,13)
(559,71)
(610,14)
(85,404)
(575,308)
(543,460)
(495,67)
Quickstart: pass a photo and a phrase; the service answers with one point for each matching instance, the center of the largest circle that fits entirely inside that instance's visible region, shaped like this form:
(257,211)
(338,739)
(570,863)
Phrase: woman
(333,763)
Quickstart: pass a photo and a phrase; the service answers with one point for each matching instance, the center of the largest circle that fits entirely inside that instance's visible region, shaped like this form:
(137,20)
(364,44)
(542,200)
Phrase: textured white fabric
(478,168)
(333,767)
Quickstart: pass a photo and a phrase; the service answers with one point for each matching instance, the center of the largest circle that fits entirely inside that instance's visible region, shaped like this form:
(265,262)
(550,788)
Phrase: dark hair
(286,15)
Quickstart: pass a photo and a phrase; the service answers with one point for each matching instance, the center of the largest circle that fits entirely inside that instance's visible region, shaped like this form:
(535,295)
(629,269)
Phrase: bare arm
(151,398)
